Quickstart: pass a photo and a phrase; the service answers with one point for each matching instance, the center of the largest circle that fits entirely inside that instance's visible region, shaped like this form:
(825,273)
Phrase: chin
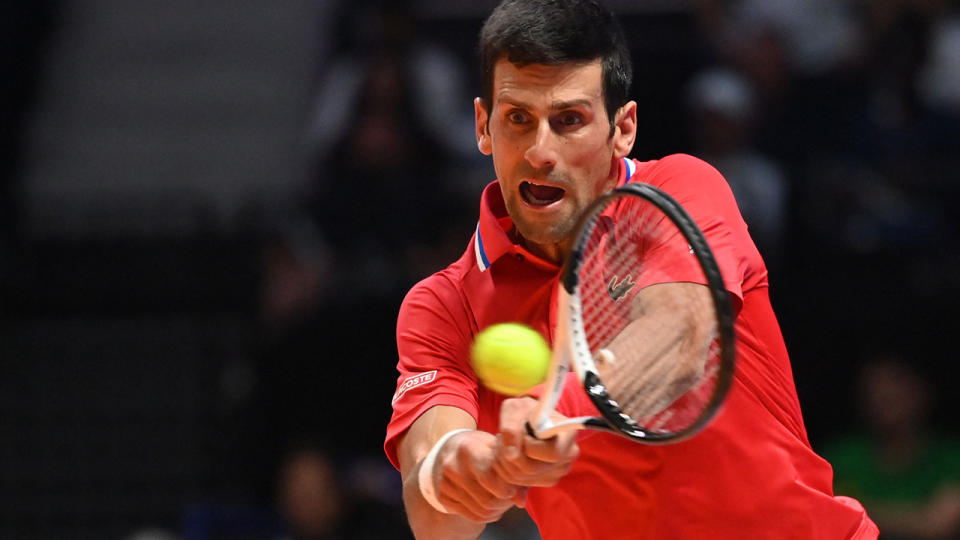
(543,226)
(544,234)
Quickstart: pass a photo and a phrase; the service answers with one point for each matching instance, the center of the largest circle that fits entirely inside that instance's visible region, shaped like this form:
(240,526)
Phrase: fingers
(561,448)
(466,483)
(525,460)
(479,505)
(479,509)
(537,463)
(480,476)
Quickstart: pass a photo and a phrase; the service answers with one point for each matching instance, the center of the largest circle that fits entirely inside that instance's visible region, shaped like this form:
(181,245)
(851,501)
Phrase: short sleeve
(433,330)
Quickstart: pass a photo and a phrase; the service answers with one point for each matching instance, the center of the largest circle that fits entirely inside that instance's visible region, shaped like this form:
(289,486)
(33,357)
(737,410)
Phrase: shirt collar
(492,240)
(628,168)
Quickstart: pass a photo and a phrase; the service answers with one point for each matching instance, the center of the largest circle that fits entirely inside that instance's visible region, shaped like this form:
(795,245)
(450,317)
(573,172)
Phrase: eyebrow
(555,106)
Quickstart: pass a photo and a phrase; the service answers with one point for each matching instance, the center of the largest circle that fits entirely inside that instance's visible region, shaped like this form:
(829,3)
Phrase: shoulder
(436,302)
(696,184)
(680,171)
(705,194)
(432,293)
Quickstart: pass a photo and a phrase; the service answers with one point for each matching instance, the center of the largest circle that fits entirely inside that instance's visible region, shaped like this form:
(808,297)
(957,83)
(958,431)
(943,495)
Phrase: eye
(517,116)
(570,119)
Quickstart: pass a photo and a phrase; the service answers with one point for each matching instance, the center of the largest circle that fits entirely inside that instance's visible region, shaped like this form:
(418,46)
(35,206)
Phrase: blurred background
(210,211)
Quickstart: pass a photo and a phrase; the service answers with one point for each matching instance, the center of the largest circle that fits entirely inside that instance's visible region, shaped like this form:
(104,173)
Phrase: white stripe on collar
(481,255)
(631,167)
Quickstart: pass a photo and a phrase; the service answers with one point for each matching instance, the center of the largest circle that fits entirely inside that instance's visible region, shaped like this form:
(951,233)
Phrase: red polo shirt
(750,474)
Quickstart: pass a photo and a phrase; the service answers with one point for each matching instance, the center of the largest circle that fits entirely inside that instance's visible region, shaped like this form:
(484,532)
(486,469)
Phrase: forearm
(663,349)
(427,523)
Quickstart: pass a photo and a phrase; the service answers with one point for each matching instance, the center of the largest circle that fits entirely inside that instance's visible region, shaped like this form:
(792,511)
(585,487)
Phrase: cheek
(594,161)
(508,156)
(593,149)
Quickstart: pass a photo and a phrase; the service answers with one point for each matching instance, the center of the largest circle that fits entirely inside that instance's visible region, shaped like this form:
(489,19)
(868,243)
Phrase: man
(555,117)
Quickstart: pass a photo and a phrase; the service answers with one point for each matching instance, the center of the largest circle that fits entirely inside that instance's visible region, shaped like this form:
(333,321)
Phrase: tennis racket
(643,318)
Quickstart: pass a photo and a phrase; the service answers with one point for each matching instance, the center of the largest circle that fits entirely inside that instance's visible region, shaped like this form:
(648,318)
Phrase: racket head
(630,242)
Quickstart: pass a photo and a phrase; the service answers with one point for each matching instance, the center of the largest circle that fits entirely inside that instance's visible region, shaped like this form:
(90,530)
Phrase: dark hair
(555,32)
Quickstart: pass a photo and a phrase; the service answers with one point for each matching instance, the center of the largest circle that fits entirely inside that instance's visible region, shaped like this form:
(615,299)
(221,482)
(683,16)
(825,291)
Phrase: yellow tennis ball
(510,358)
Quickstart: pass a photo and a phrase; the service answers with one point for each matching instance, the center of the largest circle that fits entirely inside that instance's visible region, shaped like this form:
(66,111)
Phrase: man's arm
(668,340)
(464,479)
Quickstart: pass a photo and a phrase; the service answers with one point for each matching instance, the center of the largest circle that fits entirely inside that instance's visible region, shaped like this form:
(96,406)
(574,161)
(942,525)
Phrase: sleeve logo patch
(414,381)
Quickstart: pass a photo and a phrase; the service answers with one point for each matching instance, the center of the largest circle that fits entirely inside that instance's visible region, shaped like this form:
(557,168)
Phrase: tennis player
(555,117)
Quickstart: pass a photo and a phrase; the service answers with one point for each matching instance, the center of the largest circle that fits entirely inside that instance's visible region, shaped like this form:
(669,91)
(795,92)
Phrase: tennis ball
(510,358)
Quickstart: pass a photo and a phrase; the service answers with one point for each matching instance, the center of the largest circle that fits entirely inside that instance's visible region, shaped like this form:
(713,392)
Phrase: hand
(465,481)
(523,460)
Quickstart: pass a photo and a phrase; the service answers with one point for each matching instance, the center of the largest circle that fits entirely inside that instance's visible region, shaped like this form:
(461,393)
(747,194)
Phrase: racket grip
(530,430)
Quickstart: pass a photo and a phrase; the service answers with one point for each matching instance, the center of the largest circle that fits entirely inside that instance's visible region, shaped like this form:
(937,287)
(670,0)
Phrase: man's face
(549,135)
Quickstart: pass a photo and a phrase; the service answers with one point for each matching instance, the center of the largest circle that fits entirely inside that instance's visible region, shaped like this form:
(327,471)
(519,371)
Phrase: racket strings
(663,372)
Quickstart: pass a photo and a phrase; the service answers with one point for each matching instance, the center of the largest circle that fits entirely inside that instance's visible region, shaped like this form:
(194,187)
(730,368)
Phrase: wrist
(425,475)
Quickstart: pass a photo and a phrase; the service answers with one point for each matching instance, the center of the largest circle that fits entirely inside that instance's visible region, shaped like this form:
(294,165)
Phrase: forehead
(539,82)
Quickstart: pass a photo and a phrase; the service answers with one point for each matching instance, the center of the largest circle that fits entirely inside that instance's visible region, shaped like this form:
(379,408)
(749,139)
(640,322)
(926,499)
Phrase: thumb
(561,448)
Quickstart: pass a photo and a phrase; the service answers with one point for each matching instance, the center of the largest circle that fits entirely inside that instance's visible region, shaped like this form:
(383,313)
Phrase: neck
(556,253)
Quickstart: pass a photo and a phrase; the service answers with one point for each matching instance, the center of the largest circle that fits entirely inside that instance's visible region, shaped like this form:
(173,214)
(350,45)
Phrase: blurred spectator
(25,31)
(317,496)
(318,502)
(905,472)
(794,55)
(894,118)
(386,170)
(880,191)
(855,208)
(378,32)
(311,501)
(940,78)
(722,107)
(816,36)
(393,152)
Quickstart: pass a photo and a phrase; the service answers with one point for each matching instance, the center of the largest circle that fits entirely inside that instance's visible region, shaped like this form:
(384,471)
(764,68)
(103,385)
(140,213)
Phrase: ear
(482,118)
(625,133)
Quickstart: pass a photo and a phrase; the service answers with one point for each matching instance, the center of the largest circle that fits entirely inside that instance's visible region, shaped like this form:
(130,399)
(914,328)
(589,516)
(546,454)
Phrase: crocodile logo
(617,288)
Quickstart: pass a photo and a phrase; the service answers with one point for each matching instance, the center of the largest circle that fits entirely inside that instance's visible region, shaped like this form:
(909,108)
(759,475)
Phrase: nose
(543,152)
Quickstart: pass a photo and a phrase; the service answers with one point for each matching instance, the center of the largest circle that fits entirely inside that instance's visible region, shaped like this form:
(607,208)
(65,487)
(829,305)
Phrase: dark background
(206,230)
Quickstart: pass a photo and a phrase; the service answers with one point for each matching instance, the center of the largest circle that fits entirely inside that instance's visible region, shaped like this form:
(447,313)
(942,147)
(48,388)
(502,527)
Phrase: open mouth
(538,195)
